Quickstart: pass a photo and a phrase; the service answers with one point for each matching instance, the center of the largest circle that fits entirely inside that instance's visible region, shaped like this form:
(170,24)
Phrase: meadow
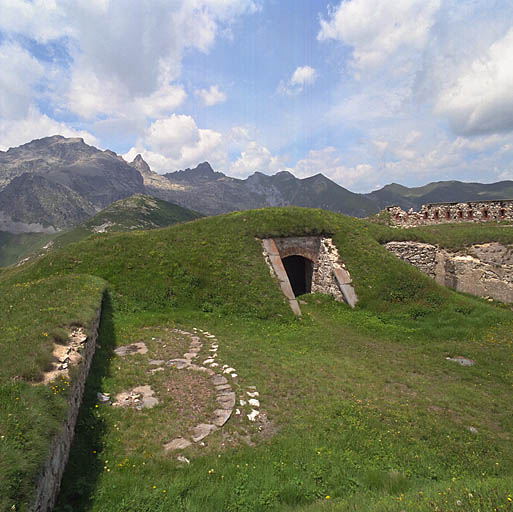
(359,409)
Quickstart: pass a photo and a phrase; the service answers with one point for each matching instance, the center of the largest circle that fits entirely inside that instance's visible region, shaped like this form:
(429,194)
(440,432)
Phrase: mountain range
(56,183)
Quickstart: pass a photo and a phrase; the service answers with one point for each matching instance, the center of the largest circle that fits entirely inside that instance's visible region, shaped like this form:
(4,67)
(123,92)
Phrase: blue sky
(367,92)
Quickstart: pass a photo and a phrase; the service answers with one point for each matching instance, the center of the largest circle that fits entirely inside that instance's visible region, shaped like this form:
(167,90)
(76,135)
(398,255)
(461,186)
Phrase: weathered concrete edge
(52,470)
(275,259)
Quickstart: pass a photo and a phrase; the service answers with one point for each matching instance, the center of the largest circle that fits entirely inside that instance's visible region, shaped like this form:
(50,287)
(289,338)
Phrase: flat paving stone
(198,368)
(156,362)
(221,416)
(148,403)
(463,361)
(134,348)
(219,379)
(202,430)
(227,400)
(190,355)
(177,444)
(224,387)
(179,363)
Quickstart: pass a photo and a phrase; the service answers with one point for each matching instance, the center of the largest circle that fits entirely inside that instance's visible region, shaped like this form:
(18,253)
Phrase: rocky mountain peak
(140,164)
(203,172)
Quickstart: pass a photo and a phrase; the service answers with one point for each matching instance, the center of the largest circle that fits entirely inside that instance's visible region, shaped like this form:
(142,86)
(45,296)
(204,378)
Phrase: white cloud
(256,157)
(328,162)
(211,96)
(35,126)
(176,142)
(134,51)
(480,98)
(20,74)
(378,30)
(302,76)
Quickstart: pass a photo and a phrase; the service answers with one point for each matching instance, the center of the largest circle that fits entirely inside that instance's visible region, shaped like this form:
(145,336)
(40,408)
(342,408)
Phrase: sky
(367,92)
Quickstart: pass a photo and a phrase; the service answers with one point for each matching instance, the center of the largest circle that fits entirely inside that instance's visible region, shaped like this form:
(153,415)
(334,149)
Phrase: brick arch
(299,251)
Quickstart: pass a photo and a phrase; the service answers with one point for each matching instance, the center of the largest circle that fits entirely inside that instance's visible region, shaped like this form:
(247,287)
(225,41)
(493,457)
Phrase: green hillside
(359,409)
(139,212)
(134,213)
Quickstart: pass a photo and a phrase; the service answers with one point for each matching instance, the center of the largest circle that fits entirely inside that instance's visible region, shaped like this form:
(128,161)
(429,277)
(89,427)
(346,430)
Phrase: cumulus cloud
(378,30)
(35,126)
(212,96)
(176,142)
(328,162)
(134,51)
(480,98)
(256,157)
(302,76)
(18,78)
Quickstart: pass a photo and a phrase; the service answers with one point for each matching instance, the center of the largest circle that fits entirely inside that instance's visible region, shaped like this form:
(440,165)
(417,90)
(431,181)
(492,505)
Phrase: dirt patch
(191,395)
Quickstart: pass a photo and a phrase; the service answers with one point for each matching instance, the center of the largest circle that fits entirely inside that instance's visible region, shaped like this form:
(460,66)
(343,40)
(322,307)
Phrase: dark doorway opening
(299,271)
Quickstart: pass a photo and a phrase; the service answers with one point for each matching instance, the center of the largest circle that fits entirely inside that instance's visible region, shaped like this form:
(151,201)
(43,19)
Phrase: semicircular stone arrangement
(223,378)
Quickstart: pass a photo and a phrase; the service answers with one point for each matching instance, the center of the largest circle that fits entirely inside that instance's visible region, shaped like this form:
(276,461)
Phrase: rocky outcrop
(485,270)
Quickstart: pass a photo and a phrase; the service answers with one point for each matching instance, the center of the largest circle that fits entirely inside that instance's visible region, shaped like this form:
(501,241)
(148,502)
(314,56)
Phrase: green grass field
(360,409)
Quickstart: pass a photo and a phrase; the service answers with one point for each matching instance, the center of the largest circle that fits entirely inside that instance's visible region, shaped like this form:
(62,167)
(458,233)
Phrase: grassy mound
(359,405)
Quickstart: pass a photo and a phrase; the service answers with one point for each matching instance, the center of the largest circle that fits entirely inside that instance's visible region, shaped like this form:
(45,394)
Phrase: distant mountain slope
(440,192)
(139,212)
(65,182)
(34,203)
(212,192)
(57,183)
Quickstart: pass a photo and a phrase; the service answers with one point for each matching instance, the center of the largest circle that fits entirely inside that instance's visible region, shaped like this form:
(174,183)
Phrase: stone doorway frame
(331,275)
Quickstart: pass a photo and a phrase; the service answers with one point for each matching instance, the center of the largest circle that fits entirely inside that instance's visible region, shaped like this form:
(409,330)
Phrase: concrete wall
(485,270)
(440,213)
(48,483)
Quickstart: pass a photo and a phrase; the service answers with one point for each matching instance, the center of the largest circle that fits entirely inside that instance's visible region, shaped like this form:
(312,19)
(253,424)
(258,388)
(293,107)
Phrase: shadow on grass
(84,465)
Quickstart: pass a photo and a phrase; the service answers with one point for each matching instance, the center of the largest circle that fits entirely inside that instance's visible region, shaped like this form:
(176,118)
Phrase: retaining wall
(485,270)
(49,481)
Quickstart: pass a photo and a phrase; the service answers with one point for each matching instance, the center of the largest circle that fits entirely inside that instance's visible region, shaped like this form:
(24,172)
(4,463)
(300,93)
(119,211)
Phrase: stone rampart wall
(485,270)
(48,483)
(440,213)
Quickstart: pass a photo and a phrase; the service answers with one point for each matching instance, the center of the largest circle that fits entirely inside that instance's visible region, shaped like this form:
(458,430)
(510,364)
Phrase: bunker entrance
(299,271)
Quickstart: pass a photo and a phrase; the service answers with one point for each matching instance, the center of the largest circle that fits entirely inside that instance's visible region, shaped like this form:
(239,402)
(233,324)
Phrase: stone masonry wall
(324,255)
(440,213)
(486,270)
(48,484)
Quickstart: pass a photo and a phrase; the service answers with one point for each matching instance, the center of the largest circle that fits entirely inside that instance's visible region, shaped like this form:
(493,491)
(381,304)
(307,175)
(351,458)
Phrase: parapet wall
(485,270)
(440,213)
(49,481)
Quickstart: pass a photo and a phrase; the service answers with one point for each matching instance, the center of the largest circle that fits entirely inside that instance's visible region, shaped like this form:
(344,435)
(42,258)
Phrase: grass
(454,237)
(358,405)
(35,315)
